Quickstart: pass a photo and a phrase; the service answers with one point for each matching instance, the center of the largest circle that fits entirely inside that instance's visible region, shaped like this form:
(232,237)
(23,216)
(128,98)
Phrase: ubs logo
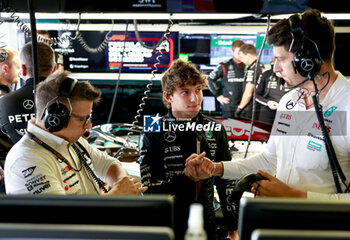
(286,116)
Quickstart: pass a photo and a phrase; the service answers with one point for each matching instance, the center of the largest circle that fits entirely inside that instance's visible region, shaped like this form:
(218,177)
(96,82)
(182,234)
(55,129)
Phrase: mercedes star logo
(28,104)
(307,65)
(53,121)
(290,104)
(170,136)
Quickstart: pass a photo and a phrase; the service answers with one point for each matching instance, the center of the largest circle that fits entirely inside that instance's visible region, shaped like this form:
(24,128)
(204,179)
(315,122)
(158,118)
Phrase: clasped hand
(127,186)
(198,167)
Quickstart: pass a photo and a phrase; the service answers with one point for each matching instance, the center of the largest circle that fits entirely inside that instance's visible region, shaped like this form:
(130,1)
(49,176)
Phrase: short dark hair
(180,74)
(49,89)
(319,29)
(248,48)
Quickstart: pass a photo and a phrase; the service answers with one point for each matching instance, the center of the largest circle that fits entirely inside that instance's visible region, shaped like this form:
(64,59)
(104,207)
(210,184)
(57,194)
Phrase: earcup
(3,54)
(56,117)
(307,62)
(57,114)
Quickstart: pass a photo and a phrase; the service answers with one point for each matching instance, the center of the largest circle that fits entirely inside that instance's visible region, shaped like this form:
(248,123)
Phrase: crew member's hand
(198,167)
(272,187)
(127,186)
(273,105)
(238,112)
(223,100)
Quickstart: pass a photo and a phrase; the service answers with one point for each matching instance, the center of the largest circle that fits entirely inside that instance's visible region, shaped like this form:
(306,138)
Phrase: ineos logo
(28,104)
(307,65)
(170,136)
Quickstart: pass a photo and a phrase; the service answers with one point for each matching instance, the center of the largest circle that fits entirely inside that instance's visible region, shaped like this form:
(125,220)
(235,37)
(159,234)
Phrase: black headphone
(57,114)
(3,54)
(307,61)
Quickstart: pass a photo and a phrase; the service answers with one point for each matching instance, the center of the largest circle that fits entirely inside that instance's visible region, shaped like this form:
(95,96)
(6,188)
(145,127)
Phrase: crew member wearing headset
(295,162)
(229,91)
(53,157)
(17,107)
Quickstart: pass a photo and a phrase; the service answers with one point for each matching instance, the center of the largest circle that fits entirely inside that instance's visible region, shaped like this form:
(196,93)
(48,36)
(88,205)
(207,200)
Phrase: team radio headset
(56,116)
(306,61)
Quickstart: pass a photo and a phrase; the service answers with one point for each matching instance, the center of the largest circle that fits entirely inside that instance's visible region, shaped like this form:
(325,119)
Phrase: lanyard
(57,154)
(63,159)
(88,168)
(199,183)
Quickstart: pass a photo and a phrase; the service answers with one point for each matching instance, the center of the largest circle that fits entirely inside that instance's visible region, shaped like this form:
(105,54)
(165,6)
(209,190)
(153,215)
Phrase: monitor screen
(155,210)
(209,103)
(280,213)
(267,54)
(208,50)
(78,56)
(196,48)
(341,52)
(210,106)
(11,231)
(221,46)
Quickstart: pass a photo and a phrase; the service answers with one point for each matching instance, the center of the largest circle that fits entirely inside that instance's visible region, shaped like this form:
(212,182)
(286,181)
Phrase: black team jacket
(162,160)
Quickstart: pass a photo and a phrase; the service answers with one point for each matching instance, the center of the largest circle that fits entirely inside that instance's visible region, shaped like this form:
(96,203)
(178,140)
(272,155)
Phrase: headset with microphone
(307,60)
(56,115)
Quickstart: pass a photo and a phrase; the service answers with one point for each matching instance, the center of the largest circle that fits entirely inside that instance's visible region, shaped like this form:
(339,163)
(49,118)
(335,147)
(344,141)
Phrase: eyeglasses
(85,119)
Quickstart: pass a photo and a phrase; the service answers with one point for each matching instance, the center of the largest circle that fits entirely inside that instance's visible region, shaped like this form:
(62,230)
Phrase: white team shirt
(296,151)
(32,169)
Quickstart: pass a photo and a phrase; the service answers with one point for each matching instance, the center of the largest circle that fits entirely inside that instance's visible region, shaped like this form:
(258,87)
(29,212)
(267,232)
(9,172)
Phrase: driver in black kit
(185,133)
(17,107)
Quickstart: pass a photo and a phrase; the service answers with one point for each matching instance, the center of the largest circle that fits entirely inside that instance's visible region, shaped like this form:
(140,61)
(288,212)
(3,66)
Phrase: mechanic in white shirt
(295,161)
(53,157)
